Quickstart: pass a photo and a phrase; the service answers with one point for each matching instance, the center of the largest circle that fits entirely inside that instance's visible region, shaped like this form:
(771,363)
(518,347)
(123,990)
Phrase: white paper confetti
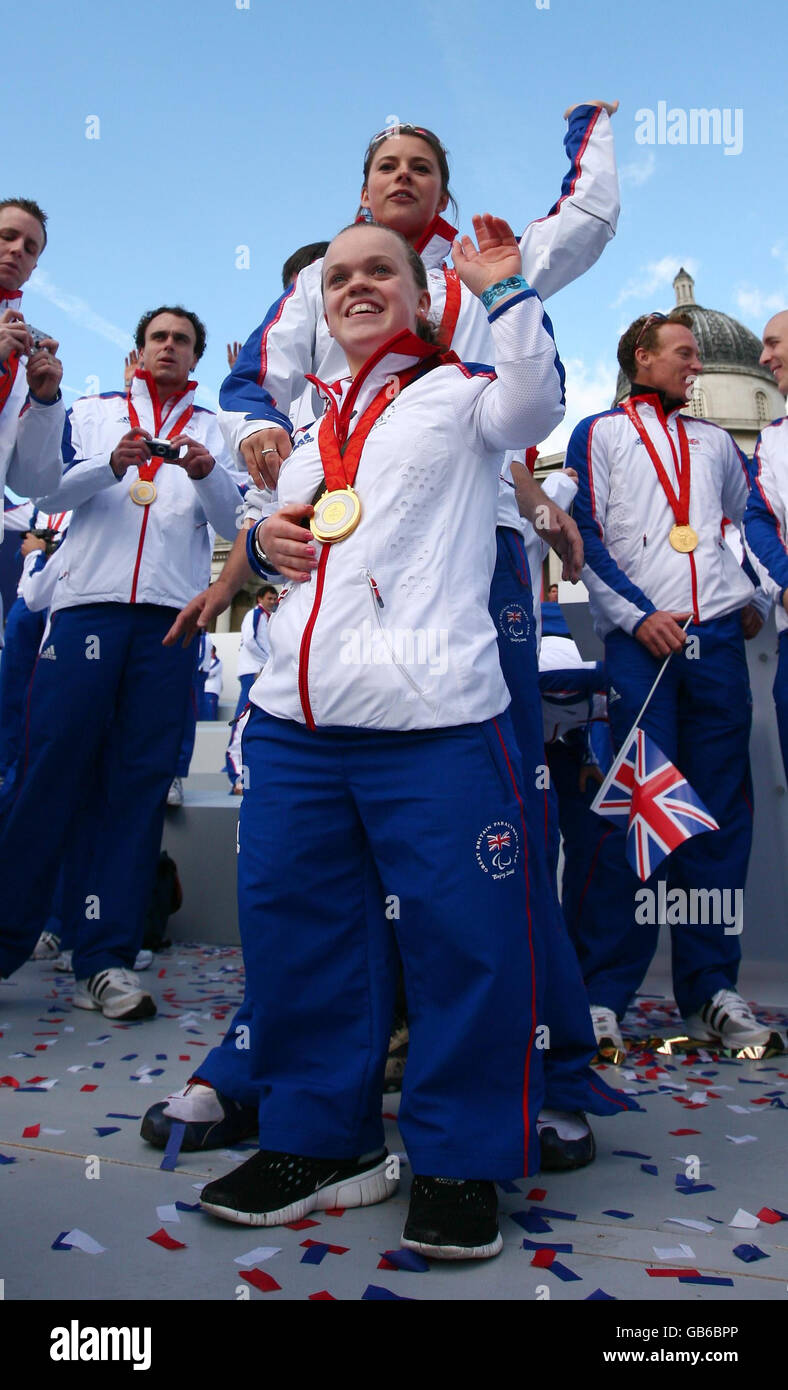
(82,1241)
(255,1257)
(168,1213)
(677,1252)
(692,1225)
(744,1220)
(742,1138)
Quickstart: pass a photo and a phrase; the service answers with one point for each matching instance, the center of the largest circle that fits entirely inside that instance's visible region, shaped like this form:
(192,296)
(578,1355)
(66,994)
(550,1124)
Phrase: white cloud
(758,305)
(589,389)
(654,276)
(780,253)
(639,171)
(78,310)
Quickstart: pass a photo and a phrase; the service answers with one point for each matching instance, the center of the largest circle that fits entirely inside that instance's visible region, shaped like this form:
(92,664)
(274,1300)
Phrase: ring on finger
(269,451)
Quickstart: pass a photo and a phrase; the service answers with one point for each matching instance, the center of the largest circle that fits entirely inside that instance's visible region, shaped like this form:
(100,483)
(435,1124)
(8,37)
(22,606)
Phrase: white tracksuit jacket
(392,630)
(30,433)
(766,517)
(117,551)
(624,516)
(267,382)
(255,647)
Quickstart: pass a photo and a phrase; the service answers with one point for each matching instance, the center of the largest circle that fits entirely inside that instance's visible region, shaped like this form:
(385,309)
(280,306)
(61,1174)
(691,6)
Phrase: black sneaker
(562,1155)
(452,1219)
(271,1188)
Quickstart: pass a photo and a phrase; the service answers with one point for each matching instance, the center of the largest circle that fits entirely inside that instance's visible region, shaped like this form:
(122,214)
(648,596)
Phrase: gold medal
(683,538)
(143,492)
(337,513)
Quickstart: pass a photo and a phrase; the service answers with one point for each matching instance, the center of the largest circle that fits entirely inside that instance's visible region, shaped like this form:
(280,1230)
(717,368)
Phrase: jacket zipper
(377,604)
(306,640)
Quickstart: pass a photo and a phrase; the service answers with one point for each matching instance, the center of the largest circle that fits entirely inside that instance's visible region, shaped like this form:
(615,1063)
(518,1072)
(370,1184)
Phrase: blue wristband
(514,284)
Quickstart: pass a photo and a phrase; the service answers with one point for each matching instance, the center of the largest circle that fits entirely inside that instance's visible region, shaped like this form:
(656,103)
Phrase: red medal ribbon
(341,458)
(679,501)
(8,377)
(149,470)
(451,309)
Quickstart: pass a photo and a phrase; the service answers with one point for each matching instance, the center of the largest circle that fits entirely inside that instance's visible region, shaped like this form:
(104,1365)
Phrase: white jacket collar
(153,416)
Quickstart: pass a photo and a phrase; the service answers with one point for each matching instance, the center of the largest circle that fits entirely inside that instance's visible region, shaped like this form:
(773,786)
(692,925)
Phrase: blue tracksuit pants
(780,691)
(378,837)
(700,717)
(23,633)
(570,1083)
(108,700)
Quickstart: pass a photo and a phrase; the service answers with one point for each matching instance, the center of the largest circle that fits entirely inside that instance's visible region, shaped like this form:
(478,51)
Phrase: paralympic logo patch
(498,849)
(515,622)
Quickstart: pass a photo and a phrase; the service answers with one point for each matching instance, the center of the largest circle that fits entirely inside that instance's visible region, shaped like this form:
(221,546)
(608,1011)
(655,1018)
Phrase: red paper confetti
(770,1217)
(543,1259)
(34,1080)
(671,1273)
(262,1281)
(334,1211)
(32,1132)
(537,1194)
(166,1241)
(322,1296)
(685,1131)
(8,1081)
(386,1264)
(300,1225)
(184,1058)
(88,1088)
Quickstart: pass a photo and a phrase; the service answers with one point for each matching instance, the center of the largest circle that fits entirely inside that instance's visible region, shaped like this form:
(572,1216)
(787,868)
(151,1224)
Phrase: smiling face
(775,349)
(21,244)
(169,351)
(369,291)
(673,364)
(404,187)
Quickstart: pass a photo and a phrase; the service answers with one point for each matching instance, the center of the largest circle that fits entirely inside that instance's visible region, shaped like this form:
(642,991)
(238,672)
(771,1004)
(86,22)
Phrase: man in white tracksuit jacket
(107,700)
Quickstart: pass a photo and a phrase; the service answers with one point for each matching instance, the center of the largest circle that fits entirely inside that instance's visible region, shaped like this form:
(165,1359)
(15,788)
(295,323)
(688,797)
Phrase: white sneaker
(728,1019)
(47,946)
(63,962)
(196,1103)
(606,1029)
(144,960)
(116,993)
(175,794)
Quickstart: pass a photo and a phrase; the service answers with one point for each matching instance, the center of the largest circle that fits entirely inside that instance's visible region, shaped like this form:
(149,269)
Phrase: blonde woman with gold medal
(379,732)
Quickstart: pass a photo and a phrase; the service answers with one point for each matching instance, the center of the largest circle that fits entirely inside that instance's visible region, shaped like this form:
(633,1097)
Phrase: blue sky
(223,126)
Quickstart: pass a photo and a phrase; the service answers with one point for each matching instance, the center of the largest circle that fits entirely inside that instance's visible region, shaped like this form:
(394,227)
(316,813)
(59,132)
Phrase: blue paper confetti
(650,1168)
(749,1253)
(409,1260)
(559,1215)
(703,1279)
(116,1115)
(58,1243)
(188,1206)
(104,1130)
(531,1221)
(315,1253)
(4,1158)
(177,1131)
(507,1186)
(598,1295)
(629,1153)
(375,1291)
(547,1245)
(622,1215)
(564,1274)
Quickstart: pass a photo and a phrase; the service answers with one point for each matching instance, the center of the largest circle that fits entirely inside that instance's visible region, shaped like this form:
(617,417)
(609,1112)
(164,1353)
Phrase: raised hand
(264,453)
(130,365)
(233,350)
(497,258)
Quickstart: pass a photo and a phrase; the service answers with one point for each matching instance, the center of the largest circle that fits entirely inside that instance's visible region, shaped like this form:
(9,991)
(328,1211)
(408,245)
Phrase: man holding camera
(149,480)
(31,407)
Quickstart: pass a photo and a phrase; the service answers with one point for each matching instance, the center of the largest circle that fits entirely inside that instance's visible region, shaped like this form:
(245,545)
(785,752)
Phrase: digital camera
(162,449)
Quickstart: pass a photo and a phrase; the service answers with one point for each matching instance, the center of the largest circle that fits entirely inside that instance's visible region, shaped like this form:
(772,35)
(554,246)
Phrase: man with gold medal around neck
(654,487)
(150,482)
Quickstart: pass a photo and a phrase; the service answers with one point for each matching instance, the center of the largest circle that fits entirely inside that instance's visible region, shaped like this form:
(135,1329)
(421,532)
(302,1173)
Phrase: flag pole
(603,790)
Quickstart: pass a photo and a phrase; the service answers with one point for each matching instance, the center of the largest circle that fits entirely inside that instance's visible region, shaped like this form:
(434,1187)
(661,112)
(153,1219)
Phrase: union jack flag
(646,790)
(498,841)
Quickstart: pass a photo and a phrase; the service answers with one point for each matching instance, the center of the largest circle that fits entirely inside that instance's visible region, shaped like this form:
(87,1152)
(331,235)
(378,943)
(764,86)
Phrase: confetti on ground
(547,1245)
(558,1215)
(174,1141)
(650,1168)
(676,1252)
(693,1225)
(262,1281)
(695,1278)
(31,1132)
(168,1213)
(4,1158)
(300,1225)
(669,1273)
(622,1215)
(258,1255)
(744,1220)
(599,1295)
(373,1291)
(316,1251)
(103,1130)
(565,1274)
(749,1253)
(629,1153)
(80,1240)
(323,1296)
(166,1241)
(404,1259)
(532,1222)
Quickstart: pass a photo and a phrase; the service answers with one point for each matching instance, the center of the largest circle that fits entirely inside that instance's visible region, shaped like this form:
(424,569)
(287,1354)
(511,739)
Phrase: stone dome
(725,344)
